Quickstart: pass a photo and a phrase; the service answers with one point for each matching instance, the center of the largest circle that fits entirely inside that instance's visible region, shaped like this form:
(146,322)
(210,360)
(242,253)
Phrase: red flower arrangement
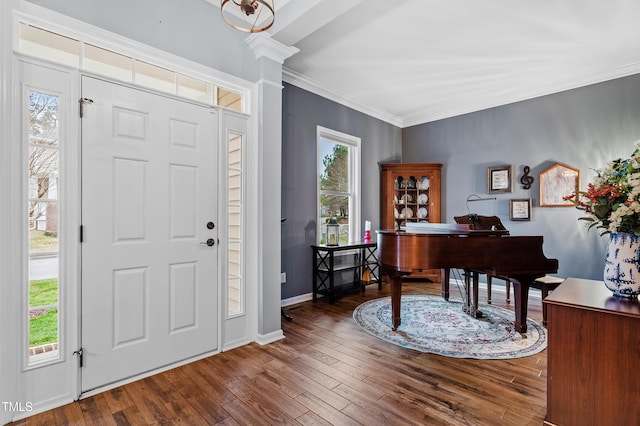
(612,201)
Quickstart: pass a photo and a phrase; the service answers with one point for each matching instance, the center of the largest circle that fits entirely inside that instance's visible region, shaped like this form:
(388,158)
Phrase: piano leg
(471,281)
(445,274)
(521,300)
(467,292)
(475,311)
(396,294)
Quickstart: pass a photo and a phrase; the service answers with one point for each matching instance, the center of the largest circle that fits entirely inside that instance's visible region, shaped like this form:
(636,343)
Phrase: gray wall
(192,29)
(302,113)
(583,128)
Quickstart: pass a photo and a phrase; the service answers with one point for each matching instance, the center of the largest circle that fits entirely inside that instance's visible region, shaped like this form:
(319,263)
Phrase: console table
(330,263)
(592,356)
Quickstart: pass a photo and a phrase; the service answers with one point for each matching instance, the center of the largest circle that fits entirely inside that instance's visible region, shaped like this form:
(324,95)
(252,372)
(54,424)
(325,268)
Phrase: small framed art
(520,209)
(499,179)
(557,182)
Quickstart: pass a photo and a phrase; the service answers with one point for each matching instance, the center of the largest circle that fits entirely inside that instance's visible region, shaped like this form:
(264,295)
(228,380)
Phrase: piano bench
(546,284)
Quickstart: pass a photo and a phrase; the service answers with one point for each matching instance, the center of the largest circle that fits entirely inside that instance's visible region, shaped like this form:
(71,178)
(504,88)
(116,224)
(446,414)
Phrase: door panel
(149,285)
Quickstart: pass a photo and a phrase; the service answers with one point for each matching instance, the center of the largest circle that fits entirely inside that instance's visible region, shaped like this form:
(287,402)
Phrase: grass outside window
(43,321)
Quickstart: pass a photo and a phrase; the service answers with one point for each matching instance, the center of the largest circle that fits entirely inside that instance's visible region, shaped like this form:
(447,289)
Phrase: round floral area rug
(432,324)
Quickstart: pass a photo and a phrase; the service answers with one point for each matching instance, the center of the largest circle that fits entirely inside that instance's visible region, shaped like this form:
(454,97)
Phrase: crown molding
(264,46)
(474,105)
(303,82)
(559,86)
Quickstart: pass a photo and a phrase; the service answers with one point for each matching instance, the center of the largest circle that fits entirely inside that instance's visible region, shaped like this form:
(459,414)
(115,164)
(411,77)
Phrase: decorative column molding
(267,145)
(264,46)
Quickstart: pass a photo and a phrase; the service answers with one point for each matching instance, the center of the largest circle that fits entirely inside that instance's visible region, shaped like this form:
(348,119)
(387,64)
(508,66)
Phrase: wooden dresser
(593,355)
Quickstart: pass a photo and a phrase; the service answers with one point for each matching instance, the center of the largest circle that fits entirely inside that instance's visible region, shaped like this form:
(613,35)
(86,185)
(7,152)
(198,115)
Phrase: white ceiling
(413,61)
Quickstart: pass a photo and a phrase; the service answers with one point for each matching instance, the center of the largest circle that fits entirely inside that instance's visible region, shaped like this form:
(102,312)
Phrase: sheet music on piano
(435,228)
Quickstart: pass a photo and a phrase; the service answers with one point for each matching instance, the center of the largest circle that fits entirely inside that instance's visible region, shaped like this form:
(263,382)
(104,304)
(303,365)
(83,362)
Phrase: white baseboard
(297,299)
(265,339)
(497,287)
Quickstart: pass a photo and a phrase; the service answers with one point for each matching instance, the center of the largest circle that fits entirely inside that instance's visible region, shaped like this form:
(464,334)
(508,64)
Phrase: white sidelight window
(43,225)
(235,206)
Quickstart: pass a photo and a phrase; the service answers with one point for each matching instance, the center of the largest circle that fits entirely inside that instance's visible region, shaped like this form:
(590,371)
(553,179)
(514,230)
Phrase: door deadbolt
(211,225)
(210,242)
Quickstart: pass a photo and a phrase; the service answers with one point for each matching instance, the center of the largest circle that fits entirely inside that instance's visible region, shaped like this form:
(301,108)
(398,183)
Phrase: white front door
(149,204)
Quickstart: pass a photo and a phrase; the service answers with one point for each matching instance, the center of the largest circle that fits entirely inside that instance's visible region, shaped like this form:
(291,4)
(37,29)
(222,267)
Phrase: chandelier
(249,16)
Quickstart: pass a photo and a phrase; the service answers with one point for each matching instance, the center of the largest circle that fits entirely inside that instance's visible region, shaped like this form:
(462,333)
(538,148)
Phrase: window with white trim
(338,184)
(59,48)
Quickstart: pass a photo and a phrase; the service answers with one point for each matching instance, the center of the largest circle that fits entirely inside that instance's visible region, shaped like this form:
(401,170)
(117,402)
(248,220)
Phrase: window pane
(336,207)
(235,187)
(235,223)
(155,77)
(43,218)
(235,151)
(195,89)
(43,173)
(234,300)
(108,63)
(43,119)
(235,263)
(48,45)
(334,167)
(229,99)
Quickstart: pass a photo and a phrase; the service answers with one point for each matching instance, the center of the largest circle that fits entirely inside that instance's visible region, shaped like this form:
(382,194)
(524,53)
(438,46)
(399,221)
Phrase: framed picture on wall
(520,209)
(557,182)
(499,179)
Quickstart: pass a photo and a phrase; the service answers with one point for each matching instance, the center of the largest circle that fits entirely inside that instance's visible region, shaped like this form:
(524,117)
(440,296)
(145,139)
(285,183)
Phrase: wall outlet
(283,277)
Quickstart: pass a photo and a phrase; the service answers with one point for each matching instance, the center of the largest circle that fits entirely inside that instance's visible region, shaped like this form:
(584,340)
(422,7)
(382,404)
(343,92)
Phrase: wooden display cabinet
(410,193)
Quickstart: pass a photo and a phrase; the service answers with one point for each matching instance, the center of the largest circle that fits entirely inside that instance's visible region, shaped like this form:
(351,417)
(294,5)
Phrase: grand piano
(444,246)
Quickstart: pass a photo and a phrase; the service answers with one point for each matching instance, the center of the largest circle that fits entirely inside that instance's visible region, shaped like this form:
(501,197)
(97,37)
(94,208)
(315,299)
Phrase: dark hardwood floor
(327,371)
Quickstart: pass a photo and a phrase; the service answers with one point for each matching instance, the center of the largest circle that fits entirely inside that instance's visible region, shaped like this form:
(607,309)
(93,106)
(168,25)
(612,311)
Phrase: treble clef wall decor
(526,180)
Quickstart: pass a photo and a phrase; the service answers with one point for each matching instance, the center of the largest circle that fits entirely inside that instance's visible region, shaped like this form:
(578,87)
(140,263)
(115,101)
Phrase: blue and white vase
(622,265)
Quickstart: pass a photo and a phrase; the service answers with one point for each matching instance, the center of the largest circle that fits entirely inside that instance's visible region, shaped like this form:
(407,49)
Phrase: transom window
(58,48)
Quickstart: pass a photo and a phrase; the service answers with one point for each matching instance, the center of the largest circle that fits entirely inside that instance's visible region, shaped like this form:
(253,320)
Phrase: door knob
(210,242)
(210,225)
